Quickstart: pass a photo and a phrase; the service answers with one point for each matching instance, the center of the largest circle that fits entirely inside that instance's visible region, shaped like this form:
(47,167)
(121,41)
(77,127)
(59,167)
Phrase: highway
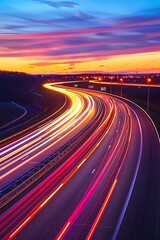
(105,188)
(22,154)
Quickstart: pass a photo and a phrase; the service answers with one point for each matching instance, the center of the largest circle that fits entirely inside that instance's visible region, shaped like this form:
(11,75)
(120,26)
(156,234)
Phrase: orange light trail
(72,116)
(120,142)
(89,236)
(62,233)
(75,164)
(70,175)
(34,213)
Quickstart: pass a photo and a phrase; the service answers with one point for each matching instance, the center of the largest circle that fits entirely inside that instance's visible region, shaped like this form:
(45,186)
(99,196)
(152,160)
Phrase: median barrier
(12,190)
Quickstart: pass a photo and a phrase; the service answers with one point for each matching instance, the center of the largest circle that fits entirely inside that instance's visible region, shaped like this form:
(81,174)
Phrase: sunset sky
(110,36)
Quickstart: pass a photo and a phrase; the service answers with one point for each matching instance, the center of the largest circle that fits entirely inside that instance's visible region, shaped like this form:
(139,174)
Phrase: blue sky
(53,15)
(78,30)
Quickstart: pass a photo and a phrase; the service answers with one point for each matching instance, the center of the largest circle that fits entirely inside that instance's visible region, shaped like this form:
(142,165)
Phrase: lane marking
(114,237)
(81,163)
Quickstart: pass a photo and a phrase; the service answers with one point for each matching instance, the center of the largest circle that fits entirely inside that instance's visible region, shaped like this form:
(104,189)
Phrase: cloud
(40,64)
(86,40)
(139,20)
(84,16)
(60,4)
(12,27)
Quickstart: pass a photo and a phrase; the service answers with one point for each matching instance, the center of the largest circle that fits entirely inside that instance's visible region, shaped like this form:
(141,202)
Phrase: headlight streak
(77,108)
(66,113)
(50,137)
(54,123)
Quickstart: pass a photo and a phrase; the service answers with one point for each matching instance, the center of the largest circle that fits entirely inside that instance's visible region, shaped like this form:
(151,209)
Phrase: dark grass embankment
(39,102)
(9,112)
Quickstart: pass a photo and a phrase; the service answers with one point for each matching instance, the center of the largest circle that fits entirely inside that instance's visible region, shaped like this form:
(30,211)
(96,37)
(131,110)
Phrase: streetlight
(110,84)
(121,80)
(148,81)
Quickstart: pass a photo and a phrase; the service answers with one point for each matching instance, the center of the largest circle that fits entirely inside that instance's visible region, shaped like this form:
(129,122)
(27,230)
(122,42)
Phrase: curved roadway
(106,189)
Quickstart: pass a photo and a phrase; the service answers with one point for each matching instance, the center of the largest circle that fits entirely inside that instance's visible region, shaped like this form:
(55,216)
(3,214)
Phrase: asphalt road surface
(107,189)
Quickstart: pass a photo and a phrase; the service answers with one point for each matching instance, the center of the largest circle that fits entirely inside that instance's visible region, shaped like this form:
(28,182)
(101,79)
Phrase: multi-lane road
(105,187)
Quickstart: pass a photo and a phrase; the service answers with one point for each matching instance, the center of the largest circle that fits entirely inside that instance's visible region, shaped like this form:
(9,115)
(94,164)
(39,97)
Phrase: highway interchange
(105,186)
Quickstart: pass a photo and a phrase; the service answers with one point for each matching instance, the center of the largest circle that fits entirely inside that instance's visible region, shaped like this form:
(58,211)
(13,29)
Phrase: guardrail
(12,190)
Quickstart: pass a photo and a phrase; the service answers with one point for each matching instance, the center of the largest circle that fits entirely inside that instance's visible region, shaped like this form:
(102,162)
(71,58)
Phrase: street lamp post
(111,85)
(121,80)
(148,95)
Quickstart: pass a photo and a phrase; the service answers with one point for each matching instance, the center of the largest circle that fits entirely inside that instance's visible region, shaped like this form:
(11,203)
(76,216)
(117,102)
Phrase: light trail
(89,236)
(98,179)
(101,170)
(132,184)
(66,123)
(75,170)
